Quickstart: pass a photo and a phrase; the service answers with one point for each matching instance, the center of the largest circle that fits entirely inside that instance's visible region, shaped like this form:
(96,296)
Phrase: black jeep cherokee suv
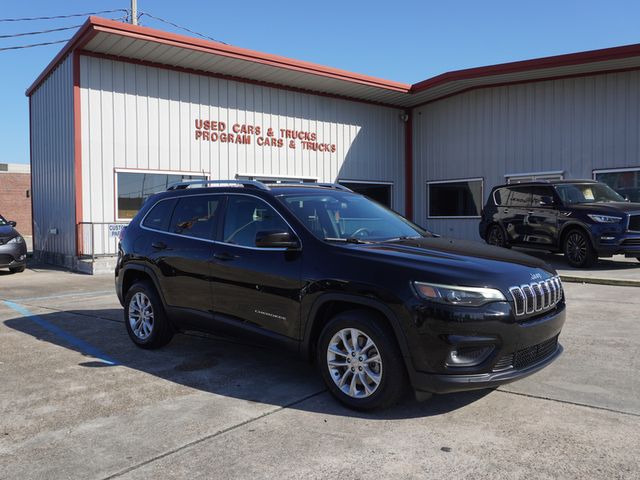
(374,299)
(583,219)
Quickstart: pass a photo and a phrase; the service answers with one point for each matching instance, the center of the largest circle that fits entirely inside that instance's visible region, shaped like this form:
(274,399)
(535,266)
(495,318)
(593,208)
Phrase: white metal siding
(575,125)
(52,163)
(141,117)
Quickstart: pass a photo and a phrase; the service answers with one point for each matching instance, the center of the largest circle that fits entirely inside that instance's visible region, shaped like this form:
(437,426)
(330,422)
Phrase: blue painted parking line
(81,345)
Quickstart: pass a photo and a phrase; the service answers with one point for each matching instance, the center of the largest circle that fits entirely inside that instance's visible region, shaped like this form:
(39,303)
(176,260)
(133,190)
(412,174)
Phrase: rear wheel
(144,316)
(497,237)
(360,361)
(17,269)
(578,250)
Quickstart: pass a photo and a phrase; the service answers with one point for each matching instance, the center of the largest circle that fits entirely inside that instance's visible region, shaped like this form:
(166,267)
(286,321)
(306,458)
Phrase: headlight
(17,239)
(604,218)
(454,295)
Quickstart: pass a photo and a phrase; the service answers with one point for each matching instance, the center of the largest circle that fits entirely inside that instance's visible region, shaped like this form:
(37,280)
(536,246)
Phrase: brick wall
(14,202)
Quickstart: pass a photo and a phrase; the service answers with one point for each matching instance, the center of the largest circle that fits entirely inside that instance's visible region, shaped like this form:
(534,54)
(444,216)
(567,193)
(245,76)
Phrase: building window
(625,181)
(377,191)
(455,198)
(532,177)
(133,188)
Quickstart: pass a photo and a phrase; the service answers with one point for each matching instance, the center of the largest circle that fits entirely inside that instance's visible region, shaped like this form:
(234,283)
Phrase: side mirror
(12,223)
(276,239)
(547,202)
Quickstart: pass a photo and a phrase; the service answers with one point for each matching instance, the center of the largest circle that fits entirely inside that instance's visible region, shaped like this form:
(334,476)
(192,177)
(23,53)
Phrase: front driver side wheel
(360,361)
(578,250)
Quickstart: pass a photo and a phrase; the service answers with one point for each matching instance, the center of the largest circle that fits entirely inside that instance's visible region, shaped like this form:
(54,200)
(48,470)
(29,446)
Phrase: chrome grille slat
(536,296)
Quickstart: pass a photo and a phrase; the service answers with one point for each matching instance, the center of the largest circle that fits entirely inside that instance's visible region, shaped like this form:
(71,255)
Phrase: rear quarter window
(501,197)
(159,216)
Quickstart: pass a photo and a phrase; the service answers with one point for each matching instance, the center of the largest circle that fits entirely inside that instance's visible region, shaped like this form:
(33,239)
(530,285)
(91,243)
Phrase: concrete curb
(600,281)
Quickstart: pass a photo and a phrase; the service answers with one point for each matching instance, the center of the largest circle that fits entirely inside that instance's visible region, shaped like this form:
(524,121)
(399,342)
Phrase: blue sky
(403,41)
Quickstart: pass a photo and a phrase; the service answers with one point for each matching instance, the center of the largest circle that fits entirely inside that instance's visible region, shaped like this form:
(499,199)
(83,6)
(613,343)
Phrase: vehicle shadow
(219,365)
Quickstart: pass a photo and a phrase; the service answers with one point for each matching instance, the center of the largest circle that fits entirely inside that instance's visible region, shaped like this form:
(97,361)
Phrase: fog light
(468,356)
(607,239)
(22,257)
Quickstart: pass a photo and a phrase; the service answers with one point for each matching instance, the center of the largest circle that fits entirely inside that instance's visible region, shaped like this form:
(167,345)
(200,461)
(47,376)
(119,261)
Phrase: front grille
(6,259)
(527,356)
(632,241)
(537,296)
(634,223)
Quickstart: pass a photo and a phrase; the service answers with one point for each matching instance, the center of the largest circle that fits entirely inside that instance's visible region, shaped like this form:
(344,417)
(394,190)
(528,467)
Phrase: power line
(180,27)
(33,45)
(24,34)
(28,19)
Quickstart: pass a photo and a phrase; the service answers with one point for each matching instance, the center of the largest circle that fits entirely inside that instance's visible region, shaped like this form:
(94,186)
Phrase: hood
(610,208)
(7,232)
(461,262)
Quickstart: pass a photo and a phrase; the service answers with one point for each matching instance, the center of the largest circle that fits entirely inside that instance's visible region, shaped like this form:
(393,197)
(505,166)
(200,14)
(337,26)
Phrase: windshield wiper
(345,240)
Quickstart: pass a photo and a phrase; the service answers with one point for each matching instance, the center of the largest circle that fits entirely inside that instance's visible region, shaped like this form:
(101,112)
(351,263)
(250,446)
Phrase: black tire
(497,237)
(578,250)
(161,330)
(393,376)
(17,269)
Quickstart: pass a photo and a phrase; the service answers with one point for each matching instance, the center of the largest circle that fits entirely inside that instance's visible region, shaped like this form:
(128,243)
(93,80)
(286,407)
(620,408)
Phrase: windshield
(574,193)
(347,216)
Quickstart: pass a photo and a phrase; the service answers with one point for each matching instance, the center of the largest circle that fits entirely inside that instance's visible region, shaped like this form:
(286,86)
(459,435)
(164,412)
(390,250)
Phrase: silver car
(13,249)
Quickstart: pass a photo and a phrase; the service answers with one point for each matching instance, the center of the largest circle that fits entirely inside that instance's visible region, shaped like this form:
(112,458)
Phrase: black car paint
(544,226)
(296,287)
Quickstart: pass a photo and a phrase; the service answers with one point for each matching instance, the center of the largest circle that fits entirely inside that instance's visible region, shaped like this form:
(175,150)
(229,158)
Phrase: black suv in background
(583,219)
(13,249)
(375,300)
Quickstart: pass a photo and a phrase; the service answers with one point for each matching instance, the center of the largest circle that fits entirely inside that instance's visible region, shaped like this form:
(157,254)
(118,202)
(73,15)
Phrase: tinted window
(246,216)
(540,193)
(134,188)
(160,215)
(455,199)
(376,192)
(572,193)
(520,197)
(195,216)
(501,197)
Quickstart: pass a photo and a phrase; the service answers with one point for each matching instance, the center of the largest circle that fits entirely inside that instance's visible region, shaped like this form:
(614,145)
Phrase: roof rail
(337,186)
(204,183)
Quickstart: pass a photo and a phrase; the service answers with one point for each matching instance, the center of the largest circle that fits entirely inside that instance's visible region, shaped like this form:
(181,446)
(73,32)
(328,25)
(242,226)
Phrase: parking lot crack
(213,435)
(567,402)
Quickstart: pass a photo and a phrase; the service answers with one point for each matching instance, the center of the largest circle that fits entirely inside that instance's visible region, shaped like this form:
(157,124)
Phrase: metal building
(123,111)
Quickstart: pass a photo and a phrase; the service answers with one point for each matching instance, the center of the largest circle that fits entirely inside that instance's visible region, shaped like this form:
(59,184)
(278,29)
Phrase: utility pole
(134,12)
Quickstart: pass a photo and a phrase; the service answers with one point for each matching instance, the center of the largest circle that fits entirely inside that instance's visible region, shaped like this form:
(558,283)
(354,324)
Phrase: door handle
(506,210)
(224,256)
(159,245)
(530,213)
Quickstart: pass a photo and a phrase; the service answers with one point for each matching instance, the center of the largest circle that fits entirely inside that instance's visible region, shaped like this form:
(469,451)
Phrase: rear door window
(196,216)
(540,193)
(520,197)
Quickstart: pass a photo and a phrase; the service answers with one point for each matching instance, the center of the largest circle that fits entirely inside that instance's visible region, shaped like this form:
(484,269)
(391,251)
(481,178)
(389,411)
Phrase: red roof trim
(93,25)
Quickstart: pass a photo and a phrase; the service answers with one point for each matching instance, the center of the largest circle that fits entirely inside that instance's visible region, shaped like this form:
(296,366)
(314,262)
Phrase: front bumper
(520,348)
(13,255)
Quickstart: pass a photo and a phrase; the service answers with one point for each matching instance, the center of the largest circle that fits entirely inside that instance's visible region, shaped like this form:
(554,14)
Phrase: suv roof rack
(204,183)
(337,186)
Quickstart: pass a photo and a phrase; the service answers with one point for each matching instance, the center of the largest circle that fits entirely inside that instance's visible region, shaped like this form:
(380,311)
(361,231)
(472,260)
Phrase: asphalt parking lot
(78,400)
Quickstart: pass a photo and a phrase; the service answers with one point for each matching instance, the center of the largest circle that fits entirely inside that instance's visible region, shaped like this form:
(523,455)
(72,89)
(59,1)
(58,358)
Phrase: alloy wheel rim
(576,247)
(354,363)
(495,237)
(141,317)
